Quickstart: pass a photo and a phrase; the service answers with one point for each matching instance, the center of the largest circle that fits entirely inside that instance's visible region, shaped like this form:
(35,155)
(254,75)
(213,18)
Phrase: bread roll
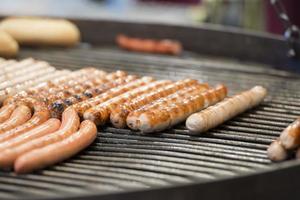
(8,46)
(36,31)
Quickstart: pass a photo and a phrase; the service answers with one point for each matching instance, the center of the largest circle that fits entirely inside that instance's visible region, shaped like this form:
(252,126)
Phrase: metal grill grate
(121,160)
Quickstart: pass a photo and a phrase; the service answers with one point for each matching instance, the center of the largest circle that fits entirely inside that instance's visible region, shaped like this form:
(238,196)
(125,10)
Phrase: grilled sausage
(69,125)
(148,45)
(172,109)
(6,111)
(40,115)
(19,116)
(12,65)
(10,91)
(223,111)
(100,113)
(57,152)
(59,106)
(45,128)
(290,137)
(41,31)
(276,152)
(85,105)
(118,116)
(38,65)
(22,79)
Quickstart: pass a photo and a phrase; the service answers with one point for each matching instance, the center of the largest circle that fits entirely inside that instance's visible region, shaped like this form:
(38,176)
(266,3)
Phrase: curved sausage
(276,152)
(118,116)
(100,114)
(166,112)
(6,111)
(45,128)
(19,116)
(149,45)
(85,105)
(40,115)
(69,125)
(57,152)
(223,111)
(290,137)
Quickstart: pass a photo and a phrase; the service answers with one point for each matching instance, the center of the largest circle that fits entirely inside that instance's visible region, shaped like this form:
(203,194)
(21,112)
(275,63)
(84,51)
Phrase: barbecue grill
(228,162)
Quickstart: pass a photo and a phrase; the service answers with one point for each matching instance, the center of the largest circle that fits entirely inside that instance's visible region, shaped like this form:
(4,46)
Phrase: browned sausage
(290,137)
(85,105)
(19,116)
(69,125)
(40,115)
(174,108)
(148,45)
(100,113)
(118,116)
(57,152)
(6,111)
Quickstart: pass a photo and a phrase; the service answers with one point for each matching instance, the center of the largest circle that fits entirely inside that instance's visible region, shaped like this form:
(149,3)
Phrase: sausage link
(290,137)
(45,128)
(6,111)
(19,116)
(159,114)
(223,111)
(57,152)
(59,106)
(119,115)
(276,152)
(85,105)
(36,66)
(40,115)
(148,45)
(69,125)
(10,91)
(12,66)
(100,113)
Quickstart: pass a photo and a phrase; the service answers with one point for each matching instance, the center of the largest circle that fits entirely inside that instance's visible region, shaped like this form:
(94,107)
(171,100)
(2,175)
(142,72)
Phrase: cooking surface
(120,160)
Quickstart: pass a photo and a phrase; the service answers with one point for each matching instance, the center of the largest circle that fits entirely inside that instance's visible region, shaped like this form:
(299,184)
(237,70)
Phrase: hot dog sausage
(223,111)
(19,116)
(57,152)
(69,125)
(100,114)
(276,152)
(290,137)
(118,116)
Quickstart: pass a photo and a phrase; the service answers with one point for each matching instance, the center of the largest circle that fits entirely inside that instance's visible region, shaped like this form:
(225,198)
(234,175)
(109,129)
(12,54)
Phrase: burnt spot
(58,106)
(68,102)
(88,94)
(78,97)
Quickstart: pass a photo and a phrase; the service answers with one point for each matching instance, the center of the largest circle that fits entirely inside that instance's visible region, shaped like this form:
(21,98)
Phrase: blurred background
(256,15)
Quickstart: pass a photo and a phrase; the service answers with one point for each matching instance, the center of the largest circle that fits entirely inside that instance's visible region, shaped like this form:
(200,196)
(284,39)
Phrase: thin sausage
(290,137)
(10,91)
(85,105)
(100,113)
(149,45)
(40,115)
(223,111)
(19,116)
(11,66)
(69,125)
(45,128)
(170,110)
(118,116)
(276,152)
(57,152)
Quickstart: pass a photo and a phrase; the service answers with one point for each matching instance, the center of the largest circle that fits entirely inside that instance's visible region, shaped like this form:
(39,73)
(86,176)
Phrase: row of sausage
(40,116)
